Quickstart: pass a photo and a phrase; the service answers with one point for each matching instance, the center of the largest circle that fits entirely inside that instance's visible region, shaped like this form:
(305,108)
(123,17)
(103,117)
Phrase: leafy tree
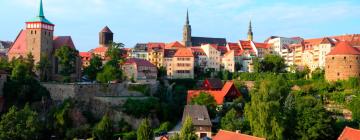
(44,68)
(187,131)
(206,100)
(312,121)
(164,127)
(354,107)
(4,64)
(20,124)
(318,74)
(61,120)
(109,73)
(161,72)
(115,54)
(176,136)
(231,121)
(94,68)
(67,60)
(104,129)
(264,110)
(21,72)
(270,63)
(145,131)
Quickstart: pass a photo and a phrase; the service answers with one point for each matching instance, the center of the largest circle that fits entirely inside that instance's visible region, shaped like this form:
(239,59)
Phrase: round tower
(342,62)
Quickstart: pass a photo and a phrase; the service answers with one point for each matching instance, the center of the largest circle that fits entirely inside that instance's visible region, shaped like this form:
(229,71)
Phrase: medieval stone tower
(250,32)
(187,32)
(39,35)
(105,37)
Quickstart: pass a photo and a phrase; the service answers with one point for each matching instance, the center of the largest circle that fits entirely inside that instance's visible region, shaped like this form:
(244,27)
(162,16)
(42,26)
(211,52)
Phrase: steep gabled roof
(228,135)
(184,52)
(245,44)
(344,48)
(60,41)
(197,41)
(197,51)
(199,115)
(218,95)
(19,46)
(214,83)
(169,53)
(349,134)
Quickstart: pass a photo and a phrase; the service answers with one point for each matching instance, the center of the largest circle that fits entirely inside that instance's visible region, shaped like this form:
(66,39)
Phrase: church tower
(39,35)
(187,31)
(250,32)
(105,37)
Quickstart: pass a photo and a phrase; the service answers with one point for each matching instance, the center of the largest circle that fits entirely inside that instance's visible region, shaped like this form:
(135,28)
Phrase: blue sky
(135,21)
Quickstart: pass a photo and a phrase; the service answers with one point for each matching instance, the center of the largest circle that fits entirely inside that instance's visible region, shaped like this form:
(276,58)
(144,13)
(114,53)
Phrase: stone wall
(59,91)
(342,67)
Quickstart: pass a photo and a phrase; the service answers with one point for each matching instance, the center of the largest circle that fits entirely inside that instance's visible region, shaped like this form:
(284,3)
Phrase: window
(345,58)
(338,74)
(333,58)
(350,66)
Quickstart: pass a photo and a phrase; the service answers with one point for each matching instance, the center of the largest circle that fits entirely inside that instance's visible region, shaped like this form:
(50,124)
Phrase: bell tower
(105,37)
(187,31)
(39,35)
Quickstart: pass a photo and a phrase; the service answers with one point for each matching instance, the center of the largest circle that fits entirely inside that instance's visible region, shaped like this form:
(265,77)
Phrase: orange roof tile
(349,134)
(100,49)
(174,45)
(228,135)
(245,44)
(262,45)
(155,45)
(184,52)
(218,95)
(344,48)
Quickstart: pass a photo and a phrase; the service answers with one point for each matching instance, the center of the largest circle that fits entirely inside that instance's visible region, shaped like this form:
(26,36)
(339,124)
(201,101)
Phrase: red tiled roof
(262,45)
(174,45)
(19,46)
(228,135)
(100,49)
(238,52)
(349,134)
(353,39)
(234,46)
(153,45)
(184,52)
(344,48)
(85,56)
(245,44)
(218,95)
(60,41)
(222,49)
(139,62)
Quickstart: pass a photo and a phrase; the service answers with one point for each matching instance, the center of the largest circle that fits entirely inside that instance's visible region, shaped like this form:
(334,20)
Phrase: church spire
(41,10)
(250,32)
(187,17)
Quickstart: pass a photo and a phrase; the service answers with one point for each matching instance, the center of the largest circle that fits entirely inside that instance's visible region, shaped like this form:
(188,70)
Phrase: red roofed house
(349,134)
(228,135)
(37,39)
(212,84)
(156,53)
(342,62)
(227,94)
(182,65)
(85,58)
(139,69)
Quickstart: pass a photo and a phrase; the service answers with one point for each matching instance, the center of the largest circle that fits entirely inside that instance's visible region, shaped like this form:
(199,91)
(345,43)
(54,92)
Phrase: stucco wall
(342,67)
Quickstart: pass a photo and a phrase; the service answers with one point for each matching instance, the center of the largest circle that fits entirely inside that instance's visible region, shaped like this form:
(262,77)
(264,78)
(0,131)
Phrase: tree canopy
(187,131)
(145,131)
(104,129)
(94,68)
(270,63)
(66,57)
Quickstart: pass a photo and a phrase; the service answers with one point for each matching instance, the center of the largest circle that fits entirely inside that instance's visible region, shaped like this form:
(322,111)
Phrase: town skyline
(232,18)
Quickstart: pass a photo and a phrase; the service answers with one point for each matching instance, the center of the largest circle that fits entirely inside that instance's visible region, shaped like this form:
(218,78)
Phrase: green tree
(206,100)
(264,110)
(44,68)
(231,121)
(4,64)
(145,131)
(66,57)
(312,120)
(104,129)
(61,120)
(20,124)
(94,68)
(187,131)
(354,107)
(115,54)
(270,63)
(109,73)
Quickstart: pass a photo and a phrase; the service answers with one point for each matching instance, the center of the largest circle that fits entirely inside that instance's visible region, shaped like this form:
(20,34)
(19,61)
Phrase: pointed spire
(250,27)
(187,17)
(41,10)
(250,32)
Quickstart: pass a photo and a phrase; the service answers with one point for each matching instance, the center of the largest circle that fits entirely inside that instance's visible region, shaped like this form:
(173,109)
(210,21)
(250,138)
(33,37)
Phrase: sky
(141,21)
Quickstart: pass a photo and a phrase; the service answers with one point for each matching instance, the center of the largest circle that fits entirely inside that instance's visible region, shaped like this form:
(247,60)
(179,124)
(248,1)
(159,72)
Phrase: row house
(140,70)
(156,53)
(282,46)
(182,65)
